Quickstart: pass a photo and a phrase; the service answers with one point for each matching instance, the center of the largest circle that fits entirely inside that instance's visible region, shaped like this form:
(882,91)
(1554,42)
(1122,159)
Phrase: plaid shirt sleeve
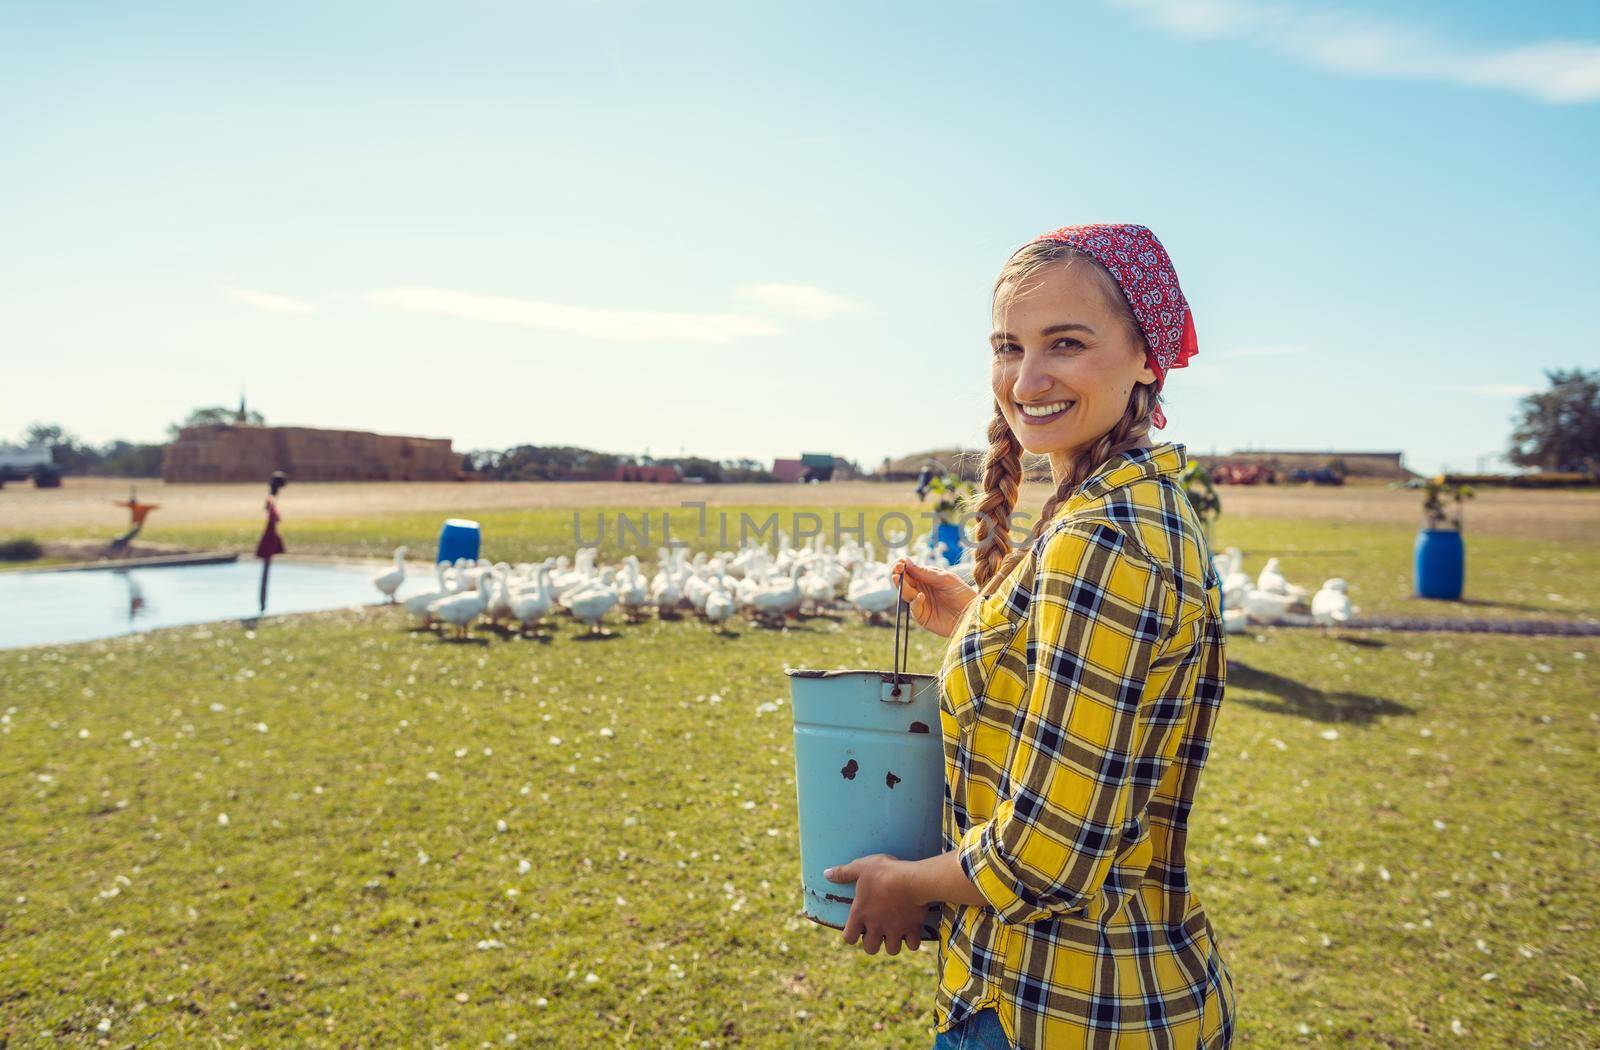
(1095,624)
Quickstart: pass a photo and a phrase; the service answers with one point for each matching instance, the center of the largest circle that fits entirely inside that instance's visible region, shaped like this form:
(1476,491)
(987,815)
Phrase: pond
(50,608)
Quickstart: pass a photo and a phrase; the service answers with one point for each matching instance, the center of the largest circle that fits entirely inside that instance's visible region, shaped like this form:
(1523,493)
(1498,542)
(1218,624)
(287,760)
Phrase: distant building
(637,472)
(218,452)
(1383,465)
(819,465)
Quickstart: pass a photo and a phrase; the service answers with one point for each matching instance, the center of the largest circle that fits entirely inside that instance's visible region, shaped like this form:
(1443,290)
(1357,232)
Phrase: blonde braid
(1002,480)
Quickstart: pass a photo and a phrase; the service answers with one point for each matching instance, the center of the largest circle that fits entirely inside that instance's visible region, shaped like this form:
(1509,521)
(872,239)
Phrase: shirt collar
(1168,458)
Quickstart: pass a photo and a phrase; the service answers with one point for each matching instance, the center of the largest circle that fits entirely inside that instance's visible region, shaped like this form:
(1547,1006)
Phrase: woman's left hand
(887,909)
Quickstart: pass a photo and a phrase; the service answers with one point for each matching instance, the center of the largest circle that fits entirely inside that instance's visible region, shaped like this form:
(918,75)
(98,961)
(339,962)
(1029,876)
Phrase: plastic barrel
(1440,564)
(950,535)
(458,539)
(869,777)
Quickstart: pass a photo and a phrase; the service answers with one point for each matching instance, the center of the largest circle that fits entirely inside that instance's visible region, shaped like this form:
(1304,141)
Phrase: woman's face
(1060,346)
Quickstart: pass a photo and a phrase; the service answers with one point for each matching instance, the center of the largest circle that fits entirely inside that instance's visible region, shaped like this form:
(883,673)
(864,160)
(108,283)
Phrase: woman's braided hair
(1002,467)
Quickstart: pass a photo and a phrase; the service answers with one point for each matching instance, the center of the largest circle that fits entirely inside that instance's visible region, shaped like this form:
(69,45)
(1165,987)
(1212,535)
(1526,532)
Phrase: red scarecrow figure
(137,513)
(271,543)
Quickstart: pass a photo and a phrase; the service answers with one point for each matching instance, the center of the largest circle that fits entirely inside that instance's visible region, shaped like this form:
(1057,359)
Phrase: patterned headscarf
(1141,266)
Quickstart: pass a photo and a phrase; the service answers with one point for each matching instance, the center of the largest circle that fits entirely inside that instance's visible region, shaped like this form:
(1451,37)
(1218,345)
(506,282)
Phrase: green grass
(1506,577)
(36,563)
(310,918)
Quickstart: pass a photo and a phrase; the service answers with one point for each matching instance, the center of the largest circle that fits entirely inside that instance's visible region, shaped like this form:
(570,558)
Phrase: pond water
(48,608)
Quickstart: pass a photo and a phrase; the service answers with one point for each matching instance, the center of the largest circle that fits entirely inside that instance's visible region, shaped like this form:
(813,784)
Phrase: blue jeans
(980,1031)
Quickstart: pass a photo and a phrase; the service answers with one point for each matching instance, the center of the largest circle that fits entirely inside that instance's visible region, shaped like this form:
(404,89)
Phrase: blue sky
(755,229)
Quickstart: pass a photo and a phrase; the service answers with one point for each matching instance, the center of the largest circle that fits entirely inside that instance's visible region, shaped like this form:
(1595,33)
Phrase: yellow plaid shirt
(1078,701)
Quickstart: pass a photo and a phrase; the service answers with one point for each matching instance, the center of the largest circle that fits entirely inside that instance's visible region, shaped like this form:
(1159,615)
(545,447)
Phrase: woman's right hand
(938,597)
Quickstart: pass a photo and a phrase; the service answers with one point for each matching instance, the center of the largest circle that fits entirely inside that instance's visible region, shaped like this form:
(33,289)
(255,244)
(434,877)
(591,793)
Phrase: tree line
(1555,430)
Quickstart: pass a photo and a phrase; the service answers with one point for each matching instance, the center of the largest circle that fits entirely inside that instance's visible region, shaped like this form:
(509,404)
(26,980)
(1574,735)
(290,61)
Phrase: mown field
(292,834)
(1396,837)
(1529,555)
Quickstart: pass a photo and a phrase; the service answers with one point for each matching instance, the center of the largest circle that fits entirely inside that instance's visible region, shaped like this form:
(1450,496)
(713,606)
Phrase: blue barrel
(869,776)
(950,536)
(458,539)
(1441,564)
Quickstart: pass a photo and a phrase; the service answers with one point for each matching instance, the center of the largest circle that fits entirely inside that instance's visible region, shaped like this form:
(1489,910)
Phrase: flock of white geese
(1268,598)
(762,587)
(751,582)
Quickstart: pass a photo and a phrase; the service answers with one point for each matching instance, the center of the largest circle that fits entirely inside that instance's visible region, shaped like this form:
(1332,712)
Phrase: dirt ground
(87,502)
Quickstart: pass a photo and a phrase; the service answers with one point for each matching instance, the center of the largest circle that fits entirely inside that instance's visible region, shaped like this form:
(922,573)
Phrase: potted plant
(1202,493)
(950,501)
(1439,565)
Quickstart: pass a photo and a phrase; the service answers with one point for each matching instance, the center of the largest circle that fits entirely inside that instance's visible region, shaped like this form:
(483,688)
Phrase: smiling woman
(1079,689)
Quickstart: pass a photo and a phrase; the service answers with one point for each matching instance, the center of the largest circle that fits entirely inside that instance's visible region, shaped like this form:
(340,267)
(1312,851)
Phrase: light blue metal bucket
(869,775)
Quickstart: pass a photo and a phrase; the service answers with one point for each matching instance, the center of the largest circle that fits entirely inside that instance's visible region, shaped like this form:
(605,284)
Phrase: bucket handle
(902,649)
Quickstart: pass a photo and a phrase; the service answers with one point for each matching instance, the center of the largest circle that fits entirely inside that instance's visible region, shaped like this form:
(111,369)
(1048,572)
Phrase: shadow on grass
(1285,696)
(1482,603)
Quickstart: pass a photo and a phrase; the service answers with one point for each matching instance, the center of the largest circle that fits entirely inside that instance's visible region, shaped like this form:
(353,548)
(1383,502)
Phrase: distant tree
(118,458)
(67,453)
(51,434)
(695,467)
(213,415)
(1559,428)
(127,459)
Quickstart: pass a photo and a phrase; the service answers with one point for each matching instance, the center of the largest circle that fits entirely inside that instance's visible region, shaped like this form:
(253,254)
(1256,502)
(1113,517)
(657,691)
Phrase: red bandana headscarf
(1141,266)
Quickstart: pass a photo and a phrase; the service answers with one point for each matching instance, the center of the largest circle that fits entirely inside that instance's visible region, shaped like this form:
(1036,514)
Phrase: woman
(1080,688)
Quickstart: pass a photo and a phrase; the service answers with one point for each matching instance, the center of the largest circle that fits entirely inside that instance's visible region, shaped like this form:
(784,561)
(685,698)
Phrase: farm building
(1385,466)
(227,452)
(637,472)
(819,465)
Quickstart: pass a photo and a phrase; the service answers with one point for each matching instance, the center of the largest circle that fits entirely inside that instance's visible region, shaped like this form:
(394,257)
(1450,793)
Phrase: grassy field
(1396,841)
(1529,555)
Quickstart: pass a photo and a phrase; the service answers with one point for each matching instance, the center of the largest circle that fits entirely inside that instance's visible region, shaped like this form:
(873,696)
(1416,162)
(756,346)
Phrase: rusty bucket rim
(886,676)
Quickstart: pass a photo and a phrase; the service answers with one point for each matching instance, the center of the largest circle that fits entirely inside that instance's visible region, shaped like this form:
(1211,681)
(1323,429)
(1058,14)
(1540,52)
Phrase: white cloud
(797,300)
(1499,390)
(266,300)
(1553,71)
(628,326)
(1263,351)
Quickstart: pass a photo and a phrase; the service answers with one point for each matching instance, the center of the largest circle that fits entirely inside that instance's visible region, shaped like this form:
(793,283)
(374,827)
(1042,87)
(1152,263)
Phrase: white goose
(1235,581)
(872,591)
(590,601)
(389,582)
(719,604)
(499,607)
(631,590)
(1331,605)
(1273,581)
(529,606)
(418,604)
(776,601)
(816,586)
(1235,621)
(666,587)
(1266,606)
(459,610)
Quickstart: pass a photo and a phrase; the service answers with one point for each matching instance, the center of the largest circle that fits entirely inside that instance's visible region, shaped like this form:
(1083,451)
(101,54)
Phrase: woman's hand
(887,908)
(938,597)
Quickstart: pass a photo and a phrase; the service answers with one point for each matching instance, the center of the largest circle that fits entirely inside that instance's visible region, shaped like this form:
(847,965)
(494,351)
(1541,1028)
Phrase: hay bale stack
(224,452)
